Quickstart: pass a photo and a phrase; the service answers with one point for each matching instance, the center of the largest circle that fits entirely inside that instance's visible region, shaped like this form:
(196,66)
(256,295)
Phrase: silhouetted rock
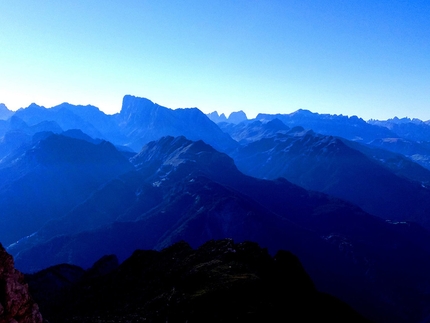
(16,304)
(221,281)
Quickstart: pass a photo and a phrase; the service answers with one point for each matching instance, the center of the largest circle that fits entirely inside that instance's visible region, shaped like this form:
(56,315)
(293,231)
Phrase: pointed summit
(5,113)
(217,118)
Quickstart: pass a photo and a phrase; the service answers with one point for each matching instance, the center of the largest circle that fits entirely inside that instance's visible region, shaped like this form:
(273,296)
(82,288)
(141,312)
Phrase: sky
(352,57)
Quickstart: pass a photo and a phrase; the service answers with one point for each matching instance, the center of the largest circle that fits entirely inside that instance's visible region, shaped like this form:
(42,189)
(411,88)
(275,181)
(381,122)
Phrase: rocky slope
(16,304)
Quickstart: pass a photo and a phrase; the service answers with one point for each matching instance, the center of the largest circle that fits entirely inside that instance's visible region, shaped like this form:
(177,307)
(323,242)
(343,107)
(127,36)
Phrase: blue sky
(351,57)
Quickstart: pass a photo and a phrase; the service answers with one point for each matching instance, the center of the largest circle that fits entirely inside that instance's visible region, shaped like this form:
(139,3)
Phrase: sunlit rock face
(16,304)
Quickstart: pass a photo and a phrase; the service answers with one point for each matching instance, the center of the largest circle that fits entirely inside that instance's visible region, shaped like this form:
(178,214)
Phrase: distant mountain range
(350,198)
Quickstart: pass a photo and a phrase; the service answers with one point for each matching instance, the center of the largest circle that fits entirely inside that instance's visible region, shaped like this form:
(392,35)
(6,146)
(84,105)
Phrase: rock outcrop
(16,304)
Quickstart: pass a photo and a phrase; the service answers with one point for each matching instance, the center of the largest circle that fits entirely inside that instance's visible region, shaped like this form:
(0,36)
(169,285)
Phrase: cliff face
(16,304)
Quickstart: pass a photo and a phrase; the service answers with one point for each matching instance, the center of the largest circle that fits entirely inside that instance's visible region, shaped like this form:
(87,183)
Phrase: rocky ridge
(221,281)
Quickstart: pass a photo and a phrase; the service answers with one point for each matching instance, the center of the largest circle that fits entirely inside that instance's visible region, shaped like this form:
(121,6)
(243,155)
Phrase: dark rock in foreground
(16,304)
(219,282)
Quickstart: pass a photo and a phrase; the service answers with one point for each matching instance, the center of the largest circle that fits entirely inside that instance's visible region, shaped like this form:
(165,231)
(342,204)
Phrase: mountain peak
(217,118)
(168,153)
(131,103)
(35,106)
(237,117)
(5,113)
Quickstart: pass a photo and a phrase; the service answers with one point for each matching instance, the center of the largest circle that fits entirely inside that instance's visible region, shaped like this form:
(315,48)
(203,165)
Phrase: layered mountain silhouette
(77,184)
(351,128)
(185,190)
(50,178)
(139,122)
(327,164)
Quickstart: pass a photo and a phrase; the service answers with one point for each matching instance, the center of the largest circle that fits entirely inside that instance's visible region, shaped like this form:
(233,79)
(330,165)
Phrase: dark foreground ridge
(221,281)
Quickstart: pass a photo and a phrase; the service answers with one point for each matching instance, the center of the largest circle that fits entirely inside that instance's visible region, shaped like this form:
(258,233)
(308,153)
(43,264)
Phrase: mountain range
(77,184)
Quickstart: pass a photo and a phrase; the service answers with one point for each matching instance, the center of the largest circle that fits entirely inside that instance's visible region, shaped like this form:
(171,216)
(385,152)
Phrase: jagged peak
(217,118)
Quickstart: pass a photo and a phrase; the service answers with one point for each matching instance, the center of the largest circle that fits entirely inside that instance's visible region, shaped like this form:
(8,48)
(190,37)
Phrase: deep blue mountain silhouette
(220,281)
(351,128)
(246,132)
(398,163)
(417,151)
(62,115)
(409,137)
(139,122)
(326,164)
(49,178)
(69,195)
(185,190)
(411,129)
(142,121)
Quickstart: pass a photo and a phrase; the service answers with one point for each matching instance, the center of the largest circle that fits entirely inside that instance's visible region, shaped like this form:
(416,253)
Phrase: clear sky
(369,58)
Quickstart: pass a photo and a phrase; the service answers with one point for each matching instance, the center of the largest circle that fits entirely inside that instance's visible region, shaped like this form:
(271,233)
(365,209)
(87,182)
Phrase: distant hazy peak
(303,112)
(73,106)
(35,106)
(133,105)
(5,113)
(215,117)
(130,99)
(237,117)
